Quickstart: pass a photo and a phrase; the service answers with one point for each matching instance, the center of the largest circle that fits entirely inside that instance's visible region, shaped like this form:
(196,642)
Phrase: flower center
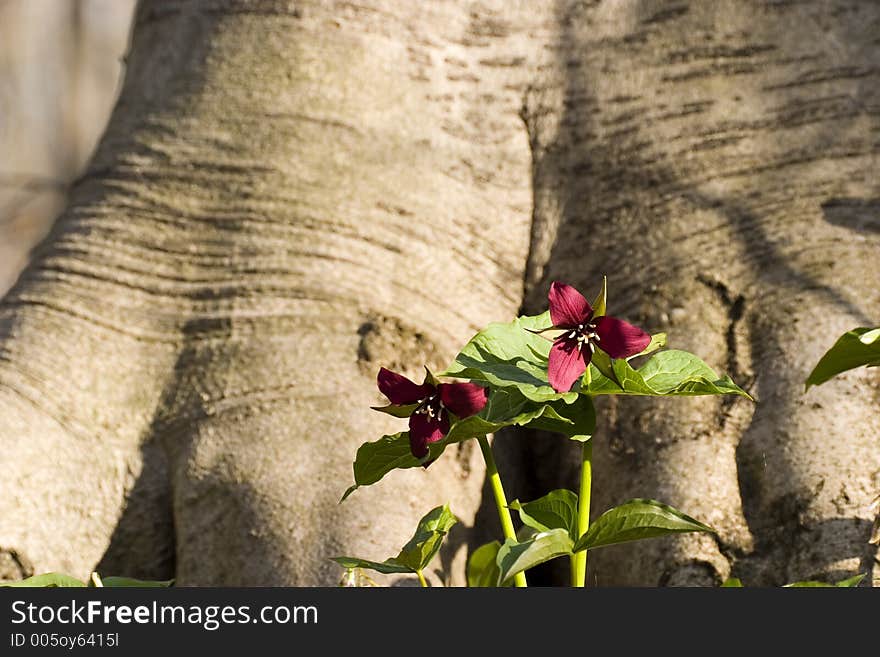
(585,334)
(431,406)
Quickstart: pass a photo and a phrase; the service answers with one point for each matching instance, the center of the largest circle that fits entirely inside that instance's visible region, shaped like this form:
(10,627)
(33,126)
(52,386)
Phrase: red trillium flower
(583,334)
(430,420)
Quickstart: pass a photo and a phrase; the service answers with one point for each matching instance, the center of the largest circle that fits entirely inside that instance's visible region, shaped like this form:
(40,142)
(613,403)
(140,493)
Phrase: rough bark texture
(292,194)
(288,196)
(718,161)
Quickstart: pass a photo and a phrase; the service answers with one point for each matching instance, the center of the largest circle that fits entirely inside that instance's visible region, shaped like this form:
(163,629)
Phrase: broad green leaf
(396,411)
(732,583)
(482,568)
(636,520)
(514,557)
(510,356)
(418,552)
(850,582)
(666,373)
(128,582)
(853,349)
(49,580)
(426,542)
(504,408)
(558,509)
(387,567)
(374,460)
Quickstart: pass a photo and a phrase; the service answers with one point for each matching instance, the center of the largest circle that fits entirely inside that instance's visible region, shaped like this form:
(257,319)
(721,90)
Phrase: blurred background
(61,63)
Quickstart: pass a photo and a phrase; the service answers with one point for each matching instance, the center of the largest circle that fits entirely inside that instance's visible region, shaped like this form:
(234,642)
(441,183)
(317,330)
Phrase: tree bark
(718,161)
(290,195)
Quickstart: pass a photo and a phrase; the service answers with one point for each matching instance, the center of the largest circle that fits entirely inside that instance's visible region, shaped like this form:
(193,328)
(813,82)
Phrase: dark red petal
(463,399)
(620,339)
(424,430)
(568,307)
(567,364)
(401,390)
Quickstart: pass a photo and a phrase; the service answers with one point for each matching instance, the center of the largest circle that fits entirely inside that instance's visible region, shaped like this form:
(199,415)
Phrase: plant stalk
(422,579)
(519,580)
(579,559)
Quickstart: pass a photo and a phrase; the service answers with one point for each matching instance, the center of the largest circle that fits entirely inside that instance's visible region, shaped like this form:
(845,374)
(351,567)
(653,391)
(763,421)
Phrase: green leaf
(848,583)
(514,557)
(49,580)
(636,520)
(851,582)
(396,411)
(667,373)
(482,568)
(510,356)
(426,542)
(418,552)
(853,349)
(732,583)
(600,304)
(558,509)
(387,567)
(374,460)
(128,582)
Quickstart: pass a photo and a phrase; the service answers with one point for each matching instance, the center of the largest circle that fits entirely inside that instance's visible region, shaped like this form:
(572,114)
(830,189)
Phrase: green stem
(422,579)
(579,560)
(519,579)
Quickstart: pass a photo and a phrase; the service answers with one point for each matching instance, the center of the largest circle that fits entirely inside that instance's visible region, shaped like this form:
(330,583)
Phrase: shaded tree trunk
(718,161)
(287,197)
(290,195)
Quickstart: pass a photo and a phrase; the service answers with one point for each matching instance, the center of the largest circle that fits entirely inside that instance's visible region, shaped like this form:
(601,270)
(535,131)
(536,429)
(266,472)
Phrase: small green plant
(541,372)
(415,556)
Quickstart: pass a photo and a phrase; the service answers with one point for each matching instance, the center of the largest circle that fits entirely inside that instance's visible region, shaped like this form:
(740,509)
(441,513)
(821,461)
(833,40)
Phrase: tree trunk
(290,195)
(718,161)
(287,197)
